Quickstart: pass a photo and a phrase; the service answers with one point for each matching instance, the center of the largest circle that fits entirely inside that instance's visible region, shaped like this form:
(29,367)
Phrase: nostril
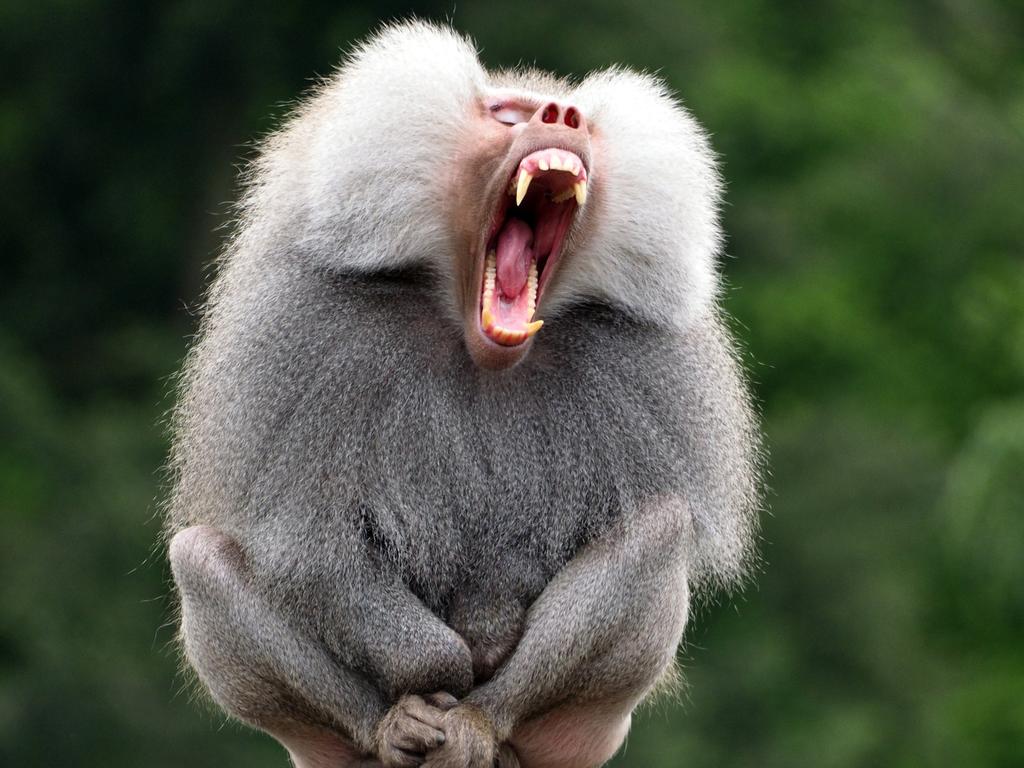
(572,117)
(550,114)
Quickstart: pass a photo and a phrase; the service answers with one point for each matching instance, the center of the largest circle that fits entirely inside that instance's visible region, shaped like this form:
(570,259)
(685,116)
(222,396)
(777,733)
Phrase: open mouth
(545,192)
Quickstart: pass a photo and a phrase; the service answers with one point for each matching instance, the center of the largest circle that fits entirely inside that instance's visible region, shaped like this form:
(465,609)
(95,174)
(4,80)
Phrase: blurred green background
(874,154)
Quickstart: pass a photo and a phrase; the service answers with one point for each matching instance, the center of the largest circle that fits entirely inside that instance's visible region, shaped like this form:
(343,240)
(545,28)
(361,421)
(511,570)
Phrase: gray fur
(378,516)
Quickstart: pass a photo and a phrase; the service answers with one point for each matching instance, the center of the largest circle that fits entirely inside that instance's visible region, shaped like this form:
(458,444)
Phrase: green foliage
(873,155)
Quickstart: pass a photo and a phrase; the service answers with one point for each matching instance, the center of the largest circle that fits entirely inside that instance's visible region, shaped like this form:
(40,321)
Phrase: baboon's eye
(511,114)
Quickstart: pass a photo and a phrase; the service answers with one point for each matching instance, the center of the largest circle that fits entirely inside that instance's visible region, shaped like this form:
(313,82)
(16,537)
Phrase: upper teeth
(522,186)
(577,190)
(580,190)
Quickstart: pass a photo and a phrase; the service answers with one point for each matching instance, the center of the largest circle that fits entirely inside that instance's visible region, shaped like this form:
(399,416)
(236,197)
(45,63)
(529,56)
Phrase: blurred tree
(873,155)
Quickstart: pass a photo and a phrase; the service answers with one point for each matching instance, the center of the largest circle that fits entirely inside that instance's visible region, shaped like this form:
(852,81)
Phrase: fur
(405,520)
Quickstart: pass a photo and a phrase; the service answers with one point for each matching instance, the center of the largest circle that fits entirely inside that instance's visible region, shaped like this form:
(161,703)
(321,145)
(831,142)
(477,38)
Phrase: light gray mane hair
(354,179)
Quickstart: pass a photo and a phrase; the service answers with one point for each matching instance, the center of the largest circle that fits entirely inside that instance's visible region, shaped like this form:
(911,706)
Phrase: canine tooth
(580,190)
(532,328)
(524,184)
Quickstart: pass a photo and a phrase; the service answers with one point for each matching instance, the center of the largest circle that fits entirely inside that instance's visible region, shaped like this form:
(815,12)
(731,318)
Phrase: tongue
(514,253)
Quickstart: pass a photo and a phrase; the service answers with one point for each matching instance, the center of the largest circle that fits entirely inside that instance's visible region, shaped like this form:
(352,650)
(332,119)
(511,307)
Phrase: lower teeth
(490,278)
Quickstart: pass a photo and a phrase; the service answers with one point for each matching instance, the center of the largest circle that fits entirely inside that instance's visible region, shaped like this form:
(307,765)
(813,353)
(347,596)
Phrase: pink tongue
(514,256)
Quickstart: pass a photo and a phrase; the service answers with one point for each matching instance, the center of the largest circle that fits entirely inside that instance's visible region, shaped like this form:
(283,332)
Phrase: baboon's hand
(411,729)
(469,741)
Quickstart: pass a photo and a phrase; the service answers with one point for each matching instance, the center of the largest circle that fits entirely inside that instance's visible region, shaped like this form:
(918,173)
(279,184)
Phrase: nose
(554,113)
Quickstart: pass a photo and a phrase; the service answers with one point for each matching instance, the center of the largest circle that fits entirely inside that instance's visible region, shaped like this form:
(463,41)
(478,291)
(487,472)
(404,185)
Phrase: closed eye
(510,114)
